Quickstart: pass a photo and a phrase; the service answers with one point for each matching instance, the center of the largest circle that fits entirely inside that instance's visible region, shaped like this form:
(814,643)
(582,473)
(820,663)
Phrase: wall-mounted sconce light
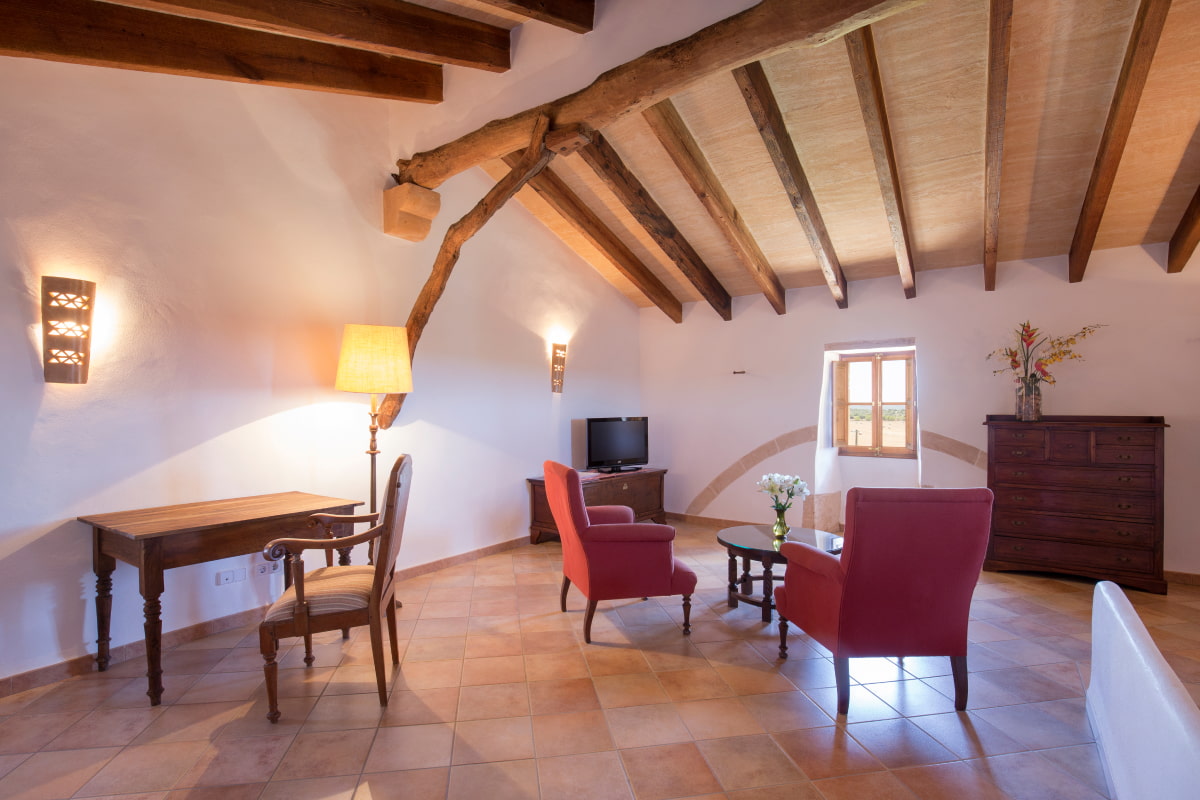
(558,368)
(67,329)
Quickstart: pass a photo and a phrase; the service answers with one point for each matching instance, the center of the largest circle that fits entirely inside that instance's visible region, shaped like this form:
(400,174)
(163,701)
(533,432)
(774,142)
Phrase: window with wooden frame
(874,413)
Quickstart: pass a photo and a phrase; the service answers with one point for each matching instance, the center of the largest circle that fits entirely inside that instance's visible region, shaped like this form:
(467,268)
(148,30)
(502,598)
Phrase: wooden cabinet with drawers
(641,490)
(1078,495)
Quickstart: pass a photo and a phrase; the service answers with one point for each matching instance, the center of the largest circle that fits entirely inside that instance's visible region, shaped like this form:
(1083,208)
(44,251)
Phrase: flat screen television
(617,444)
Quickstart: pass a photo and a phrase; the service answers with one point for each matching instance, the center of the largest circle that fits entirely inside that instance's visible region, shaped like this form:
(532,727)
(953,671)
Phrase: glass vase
(1029,400)
(780,528)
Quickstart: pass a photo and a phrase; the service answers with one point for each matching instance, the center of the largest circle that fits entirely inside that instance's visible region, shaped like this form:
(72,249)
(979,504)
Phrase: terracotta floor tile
(190,722)
(502,644)
(912,697)
(694,684)
(244,791)
(493,669)
(494,626)
(876,670)
(324,655)
(47,776)
(231,761)
(303,682)
(78,695)
(876,785)
(543,641)
(219,687)
(811,673)
(415,784)
(411,747)
(145,768)
(493,701)
(435,649)
(562,696)
(428,675)
(743,762)
(643,726)
(672,770)
(637,689)
(712,719)
(327,754)
(615,661)
(104,727)
(571,734)
(547,666)
(953,781)
(421,707)
(445,610)
(344,712)
(966,735)
(758,679)
(1026,684)
(250,719)
(1028,776)
(482,740)
(826,752)
(864,706)
(29,733)
(785,711)
(593,776)
(1082,762)
(336,788)
(899,743)
(728,652)
(440,628)
(505,780)
(1041,725)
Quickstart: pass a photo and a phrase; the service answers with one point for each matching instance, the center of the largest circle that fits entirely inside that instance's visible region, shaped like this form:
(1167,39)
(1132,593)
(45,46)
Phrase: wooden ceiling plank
(608,166)
(99,34)
(574,15)
(999,36)
(681,146)
(860,45)
(551,188)
(1186,237)
(389,28)
(756,90)
(764,29)
(1143,39)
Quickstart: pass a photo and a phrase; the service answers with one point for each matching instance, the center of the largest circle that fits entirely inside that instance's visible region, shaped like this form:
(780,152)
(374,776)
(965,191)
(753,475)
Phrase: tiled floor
(497,697)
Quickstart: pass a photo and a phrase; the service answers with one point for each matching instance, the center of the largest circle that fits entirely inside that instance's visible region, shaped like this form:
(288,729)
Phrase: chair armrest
(610,515)
(813,559)
(628,532)
(278,548)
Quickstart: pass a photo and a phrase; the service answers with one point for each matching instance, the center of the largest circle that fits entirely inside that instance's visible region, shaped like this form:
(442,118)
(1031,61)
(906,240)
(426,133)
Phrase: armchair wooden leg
(309,658)
(391,621)
(587,620)
(687,615)
(562,598)
(782,637)
(841,674)
(958,666)
(376,627)
(268,646)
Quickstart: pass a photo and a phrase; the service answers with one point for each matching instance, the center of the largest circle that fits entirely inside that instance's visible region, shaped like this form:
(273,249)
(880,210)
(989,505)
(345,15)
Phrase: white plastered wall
(705,417)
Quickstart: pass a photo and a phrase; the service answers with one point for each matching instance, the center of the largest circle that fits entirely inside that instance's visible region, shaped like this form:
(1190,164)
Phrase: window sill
(851,451)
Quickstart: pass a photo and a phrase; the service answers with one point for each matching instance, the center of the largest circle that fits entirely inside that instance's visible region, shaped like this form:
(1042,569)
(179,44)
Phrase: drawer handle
(1125,479)
(1124,457)
(1018,523)
(1124,533)
(1019,498)
(1018,547)
(1124,438)
(1019,474)
(1018,452)
(624,487)
(1123,559)
(1069,446)
(1124,506)
(1018,436)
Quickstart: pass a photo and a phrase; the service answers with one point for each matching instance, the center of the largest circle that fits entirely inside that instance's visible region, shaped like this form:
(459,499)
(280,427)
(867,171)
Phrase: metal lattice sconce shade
(558,368)
(67,329)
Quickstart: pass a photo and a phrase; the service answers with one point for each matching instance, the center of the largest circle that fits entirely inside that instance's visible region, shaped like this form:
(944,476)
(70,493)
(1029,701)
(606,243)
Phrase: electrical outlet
(276,566)
(239,574)
(262,569)
(224,576)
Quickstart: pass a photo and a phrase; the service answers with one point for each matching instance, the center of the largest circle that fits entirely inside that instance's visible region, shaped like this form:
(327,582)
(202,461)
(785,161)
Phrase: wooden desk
(157,539)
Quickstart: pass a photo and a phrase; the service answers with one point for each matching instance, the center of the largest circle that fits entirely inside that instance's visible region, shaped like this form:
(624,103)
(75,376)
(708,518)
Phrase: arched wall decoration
(935,442)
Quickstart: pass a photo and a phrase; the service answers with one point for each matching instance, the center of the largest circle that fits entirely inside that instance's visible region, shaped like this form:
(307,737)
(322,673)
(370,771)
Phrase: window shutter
(910,400)
(841,410)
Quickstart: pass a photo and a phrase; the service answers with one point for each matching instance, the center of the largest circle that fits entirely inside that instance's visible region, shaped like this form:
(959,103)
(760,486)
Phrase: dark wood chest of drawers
(641,490)
(1078,495)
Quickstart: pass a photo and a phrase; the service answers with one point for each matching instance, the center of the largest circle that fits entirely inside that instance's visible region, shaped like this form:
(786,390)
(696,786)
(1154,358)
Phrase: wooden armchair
(341,597)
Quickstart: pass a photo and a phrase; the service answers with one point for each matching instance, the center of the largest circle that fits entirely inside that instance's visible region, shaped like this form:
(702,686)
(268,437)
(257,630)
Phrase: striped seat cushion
(328,590)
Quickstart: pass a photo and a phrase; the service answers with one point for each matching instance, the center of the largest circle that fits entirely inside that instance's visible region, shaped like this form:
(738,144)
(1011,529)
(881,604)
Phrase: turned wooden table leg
(733,580)
(152,589)
(768,603)
(103,565)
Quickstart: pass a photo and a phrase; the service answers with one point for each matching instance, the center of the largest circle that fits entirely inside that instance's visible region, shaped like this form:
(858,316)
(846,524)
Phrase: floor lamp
(374,360)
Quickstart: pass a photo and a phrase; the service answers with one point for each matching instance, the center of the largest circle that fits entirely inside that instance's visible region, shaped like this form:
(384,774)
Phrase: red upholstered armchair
(607,555)
(902,586)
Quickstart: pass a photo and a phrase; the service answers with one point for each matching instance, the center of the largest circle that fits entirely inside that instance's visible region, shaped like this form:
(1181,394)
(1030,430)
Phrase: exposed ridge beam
(860,45)
(574,15)
(532,161)
(752,80)
(999,36)
(567,204)
(675,137)
(608,166)
(1143,40)
(389,28)
(1186,237)
(103,35)
(758,32)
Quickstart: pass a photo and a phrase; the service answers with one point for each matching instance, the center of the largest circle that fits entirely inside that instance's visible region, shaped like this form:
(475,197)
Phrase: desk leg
(733,580)
(152,589)
(103,565)
(768,603)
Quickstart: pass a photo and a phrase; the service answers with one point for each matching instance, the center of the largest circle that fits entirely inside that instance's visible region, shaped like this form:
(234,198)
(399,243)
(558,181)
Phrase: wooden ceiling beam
(567,204)
(1186,237)
(756,90)
(864,65)
(673,134)
(99,34)
(762,30)
(1143,40)
(999,35)
(389,28)
(608,166)
(574,15)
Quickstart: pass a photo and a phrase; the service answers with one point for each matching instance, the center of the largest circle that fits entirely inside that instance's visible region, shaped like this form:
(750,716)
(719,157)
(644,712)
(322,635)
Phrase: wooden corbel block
(566,140)
(409,211)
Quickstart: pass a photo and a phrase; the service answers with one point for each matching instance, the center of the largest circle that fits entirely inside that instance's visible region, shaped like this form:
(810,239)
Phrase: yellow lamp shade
(374,360)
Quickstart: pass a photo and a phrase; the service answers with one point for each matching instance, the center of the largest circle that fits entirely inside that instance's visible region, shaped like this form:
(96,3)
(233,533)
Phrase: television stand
(610,470)
(642,491)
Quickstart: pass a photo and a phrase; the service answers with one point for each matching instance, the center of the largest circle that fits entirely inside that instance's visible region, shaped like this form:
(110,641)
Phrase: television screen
(617,443)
